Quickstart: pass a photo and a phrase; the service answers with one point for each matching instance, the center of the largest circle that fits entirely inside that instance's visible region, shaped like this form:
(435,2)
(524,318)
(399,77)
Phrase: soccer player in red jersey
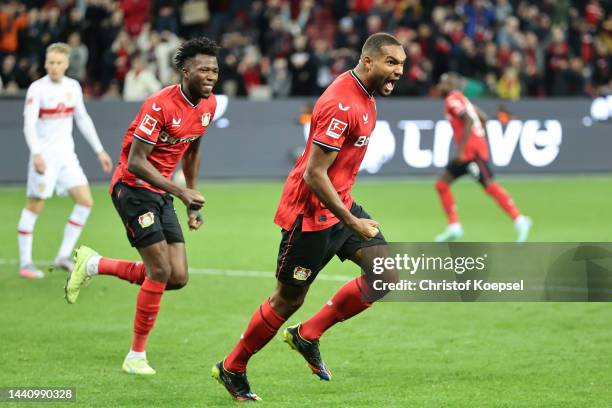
(169,127)
(319,218)
(467,122)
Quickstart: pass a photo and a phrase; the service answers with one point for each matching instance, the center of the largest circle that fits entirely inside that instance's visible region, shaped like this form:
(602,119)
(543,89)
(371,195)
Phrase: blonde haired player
(51,103)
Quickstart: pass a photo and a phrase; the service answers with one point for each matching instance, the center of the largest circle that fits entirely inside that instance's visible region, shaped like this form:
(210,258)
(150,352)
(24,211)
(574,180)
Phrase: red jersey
(342,120)
(170,122)
(456,105)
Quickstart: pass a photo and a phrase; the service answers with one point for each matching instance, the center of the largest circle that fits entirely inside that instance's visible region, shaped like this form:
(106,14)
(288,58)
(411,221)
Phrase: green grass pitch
(395,354)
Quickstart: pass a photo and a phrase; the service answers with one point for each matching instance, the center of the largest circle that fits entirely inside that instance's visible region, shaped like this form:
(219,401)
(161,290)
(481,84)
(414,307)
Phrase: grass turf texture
(400,354)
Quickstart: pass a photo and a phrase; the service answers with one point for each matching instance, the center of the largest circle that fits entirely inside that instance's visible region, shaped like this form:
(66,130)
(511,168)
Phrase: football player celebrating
(319,218)
(167,129)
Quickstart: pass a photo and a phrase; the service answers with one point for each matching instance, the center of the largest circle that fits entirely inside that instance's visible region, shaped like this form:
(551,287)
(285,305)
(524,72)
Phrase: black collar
(361,84)
(185,96)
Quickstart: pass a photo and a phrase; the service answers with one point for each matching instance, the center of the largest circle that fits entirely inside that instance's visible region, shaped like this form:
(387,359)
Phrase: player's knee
(35,205)
(160,272)
(285,305)
(177,282)
(376,286)
(86,202)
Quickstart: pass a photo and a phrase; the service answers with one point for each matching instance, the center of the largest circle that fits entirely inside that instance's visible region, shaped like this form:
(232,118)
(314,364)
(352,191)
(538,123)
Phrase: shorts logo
(206,119)
(301,274)
(148,125)
(336,128)
(146,220)
(41,187)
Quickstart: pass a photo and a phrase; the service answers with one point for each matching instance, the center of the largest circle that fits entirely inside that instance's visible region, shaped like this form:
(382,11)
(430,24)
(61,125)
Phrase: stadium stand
(508,48)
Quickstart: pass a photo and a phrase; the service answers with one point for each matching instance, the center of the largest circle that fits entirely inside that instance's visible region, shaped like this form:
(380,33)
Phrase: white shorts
(63,173)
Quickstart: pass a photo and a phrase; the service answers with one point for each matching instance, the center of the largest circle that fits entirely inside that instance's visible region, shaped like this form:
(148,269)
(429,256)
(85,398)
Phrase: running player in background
(319,218)
(169,127)
(51,103)
(467,122)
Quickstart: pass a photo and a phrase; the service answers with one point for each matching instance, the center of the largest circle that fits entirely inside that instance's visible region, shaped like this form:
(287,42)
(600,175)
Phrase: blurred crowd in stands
(280,48)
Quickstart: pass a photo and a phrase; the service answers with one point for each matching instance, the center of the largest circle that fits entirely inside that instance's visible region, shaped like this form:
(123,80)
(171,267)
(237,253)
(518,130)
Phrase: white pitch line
(217,272)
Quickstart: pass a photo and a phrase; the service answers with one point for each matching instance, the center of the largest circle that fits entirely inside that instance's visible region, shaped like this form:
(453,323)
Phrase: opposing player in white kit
(51,103)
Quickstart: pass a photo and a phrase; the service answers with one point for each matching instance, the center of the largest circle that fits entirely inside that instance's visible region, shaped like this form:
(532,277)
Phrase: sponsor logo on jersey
(336,128)
(148,125)
(206,119)
(146,219)
(362,141)
(165,137)
(301,274)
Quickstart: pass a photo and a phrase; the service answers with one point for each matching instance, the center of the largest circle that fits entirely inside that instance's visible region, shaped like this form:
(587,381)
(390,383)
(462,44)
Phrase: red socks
(346,303)
(264,324)
(493,189)
(503,199)
(133,272)
(147,307)
(448,202)
(261,329)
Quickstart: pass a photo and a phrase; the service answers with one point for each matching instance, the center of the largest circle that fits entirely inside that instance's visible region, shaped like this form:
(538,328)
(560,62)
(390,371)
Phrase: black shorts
(302,254)
(148,217)
(478,168)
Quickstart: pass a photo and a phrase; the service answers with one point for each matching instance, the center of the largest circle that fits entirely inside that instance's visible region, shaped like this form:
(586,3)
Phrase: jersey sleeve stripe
(144,140)
(326,145)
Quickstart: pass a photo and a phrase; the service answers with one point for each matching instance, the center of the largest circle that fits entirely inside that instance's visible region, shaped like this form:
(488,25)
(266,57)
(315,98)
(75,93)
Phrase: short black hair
(376,41)
(193,47)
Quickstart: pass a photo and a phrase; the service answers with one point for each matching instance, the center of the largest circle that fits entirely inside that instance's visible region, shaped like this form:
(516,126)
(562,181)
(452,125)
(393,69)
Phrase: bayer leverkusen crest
(146,219)
(206,119)
(301,273)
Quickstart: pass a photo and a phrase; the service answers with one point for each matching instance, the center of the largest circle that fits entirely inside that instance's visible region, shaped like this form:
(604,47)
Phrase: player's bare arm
(139,165)
(191,167)
(468,122)
(317,179)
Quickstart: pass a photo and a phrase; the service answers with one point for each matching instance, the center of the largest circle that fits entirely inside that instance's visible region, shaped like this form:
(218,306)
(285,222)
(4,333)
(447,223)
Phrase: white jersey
(48,112)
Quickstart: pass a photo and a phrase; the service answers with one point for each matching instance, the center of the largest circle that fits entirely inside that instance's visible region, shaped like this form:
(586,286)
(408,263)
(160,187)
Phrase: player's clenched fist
(195,219)
(365,228)
(192,199)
